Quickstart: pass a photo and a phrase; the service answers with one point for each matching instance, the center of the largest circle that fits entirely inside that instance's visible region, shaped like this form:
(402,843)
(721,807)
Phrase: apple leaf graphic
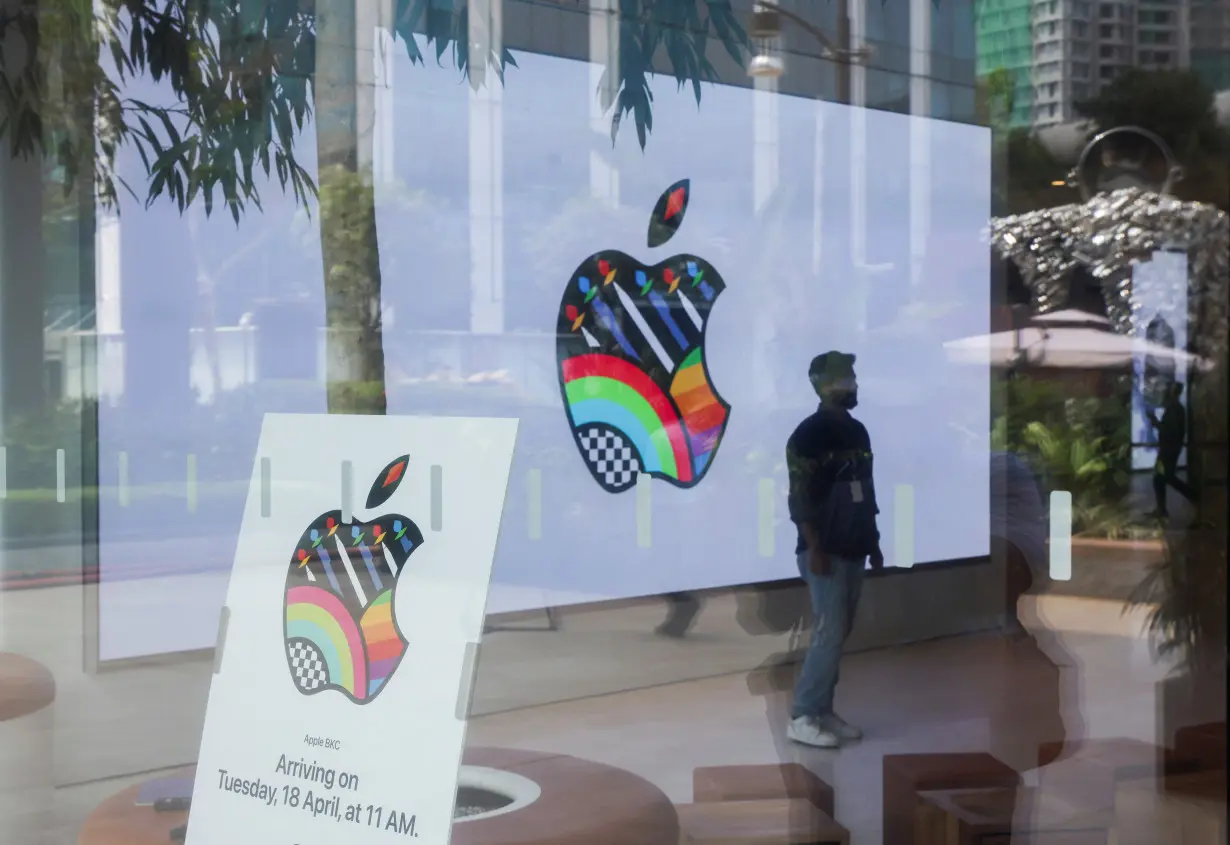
(387,481)
(668,213)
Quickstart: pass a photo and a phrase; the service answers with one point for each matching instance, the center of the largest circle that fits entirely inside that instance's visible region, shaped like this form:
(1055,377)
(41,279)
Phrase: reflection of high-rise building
(1210,42)
(1005,42)
(1078,46)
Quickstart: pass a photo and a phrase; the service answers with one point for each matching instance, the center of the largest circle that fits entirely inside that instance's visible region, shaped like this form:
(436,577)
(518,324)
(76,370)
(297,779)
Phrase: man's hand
(877,560)
(818,562)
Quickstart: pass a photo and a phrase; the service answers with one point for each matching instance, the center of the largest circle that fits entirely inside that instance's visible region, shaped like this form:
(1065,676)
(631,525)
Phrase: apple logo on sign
(631,352)
(340,627)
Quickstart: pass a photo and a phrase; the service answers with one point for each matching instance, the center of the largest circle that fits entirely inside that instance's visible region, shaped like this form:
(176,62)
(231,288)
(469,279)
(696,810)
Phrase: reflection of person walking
(832,501)
(682,613)
(1171,432)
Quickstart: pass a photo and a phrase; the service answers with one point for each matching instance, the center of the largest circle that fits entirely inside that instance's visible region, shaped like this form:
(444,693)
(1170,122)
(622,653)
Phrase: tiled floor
(932,696)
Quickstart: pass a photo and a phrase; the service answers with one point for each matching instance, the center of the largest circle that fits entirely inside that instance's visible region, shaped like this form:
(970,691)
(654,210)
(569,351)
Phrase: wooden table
(987,817)
(780,821)
(759,783)
(907,775)
(582,803)
(26,687)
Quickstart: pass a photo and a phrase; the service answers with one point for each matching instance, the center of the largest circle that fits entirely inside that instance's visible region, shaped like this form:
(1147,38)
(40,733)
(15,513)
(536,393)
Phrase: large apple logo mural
(631,351)
(340,629)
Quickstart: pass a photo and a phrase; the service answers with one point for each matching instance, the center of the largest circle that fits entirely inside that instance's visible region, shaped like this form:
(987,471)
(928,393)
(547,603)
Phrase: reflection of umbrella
(1065,339)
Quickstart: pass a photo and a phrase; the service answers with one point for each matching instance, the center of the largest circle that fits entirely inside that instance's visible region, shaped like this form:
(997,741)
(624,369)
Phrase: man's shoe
(807,730)
(840,728)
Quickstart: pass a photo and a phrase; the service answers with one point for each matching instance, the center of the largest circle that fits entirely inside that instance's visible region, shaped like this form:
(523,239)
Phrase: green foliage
(446,29)
(241,75)
(238,72)
(349,247)
(1179,108)
(1031,171)
(1188,593)
(1175,104)
(682,29)
(1000,92)
(1079,444)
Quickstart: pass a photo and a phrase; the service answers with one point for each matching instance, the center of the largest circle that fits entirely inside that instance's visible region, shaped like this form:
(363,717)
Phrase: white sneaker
(840,728)
(807,730)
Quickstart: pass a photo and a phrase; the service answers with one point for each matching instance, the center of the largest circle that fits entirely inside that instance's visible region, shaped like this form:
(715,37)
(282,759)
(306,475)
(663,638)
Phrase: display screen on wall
(644,312)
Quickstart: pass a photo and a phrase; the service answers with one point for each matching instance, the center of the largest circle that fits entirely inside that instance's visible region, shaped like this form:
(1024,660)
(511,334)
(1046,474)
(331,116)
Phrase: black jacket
(829,460)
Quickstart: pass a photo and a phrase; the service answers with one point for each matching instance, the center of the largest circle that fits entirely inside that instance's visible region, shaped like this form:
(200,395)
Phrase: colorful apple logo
(340,628)
(631,351)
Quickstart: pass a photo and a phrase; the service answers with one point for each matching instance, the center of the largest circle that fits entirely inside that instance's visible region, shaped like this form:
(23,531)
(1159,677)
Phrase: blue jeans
(834,599)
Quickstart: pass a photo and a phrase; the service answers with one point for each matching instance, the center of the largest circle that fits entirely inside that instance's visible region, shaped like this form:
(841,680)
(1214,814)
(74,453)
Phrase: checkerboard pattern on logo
(307,665)
(610,456)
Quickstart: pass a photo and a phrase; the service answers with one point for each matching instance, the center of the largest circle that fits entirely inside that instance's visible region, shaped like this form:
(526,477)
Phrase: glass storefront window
(522,421)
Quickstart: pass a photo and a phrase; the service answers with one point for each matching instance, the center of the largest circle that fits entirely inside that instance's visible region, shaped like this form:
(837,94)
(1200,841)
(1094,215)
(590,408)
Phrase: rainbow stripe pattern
(704,415)
(631,352)
(341,631)
(318,616)
(383,643)
(606,389)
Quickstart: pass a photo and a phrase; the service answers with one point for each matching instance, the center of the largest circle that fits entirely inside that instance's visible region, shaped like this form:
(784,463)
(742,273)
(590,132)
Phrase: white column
(603,58)
(382,95)
(108,309)
(859,164)
(108,315)
(367,16)
(920,134)
(486,170)
(765,141)
(766,167)
(817,209)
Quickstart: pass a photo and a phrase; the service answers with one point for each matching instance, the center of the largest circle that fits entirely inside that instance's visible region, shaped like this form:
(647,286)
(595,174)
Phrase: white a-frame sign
(337,711)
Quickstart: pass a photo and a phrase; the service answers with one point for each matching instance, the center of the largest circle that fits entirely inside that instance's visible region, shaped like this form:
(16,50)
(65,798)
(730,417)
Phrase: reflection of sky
(779,310)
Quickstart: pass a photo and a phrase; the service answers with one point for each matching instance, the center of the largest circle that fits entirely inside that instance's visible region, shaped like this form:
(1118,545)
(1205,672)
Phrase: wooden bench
(776,821)
(1204,744)
(763,782)
(1005,815)
(906,775)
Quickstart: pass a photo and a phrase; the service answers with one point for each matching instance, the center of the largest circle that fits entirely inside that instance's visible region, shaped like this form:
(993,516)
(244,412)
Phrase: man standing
(1171,432)
(833,503)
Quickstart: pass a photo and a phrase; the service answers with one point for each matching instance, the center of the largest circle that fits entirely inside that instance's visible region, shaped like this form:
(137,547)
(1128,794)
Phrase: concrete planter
(1109,569)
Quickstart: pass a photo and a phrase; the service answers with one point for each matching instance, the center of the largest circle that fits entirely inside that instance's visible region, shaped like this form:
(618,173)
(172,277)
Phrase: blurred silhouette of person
(1171,432)
(682,610)
(776,609)
(1018,529)
(1031,717)
(832,501)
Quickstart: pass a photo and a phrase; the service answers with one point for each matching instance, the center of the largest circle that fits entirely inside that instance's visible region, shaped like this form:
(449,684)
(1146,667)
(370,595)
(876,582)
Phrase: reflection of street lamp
(766,34)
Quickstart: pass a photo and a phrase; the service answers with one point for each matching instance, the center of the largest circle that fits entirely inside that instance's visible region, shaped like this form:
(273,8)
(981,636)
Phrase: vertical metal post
(843,57)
